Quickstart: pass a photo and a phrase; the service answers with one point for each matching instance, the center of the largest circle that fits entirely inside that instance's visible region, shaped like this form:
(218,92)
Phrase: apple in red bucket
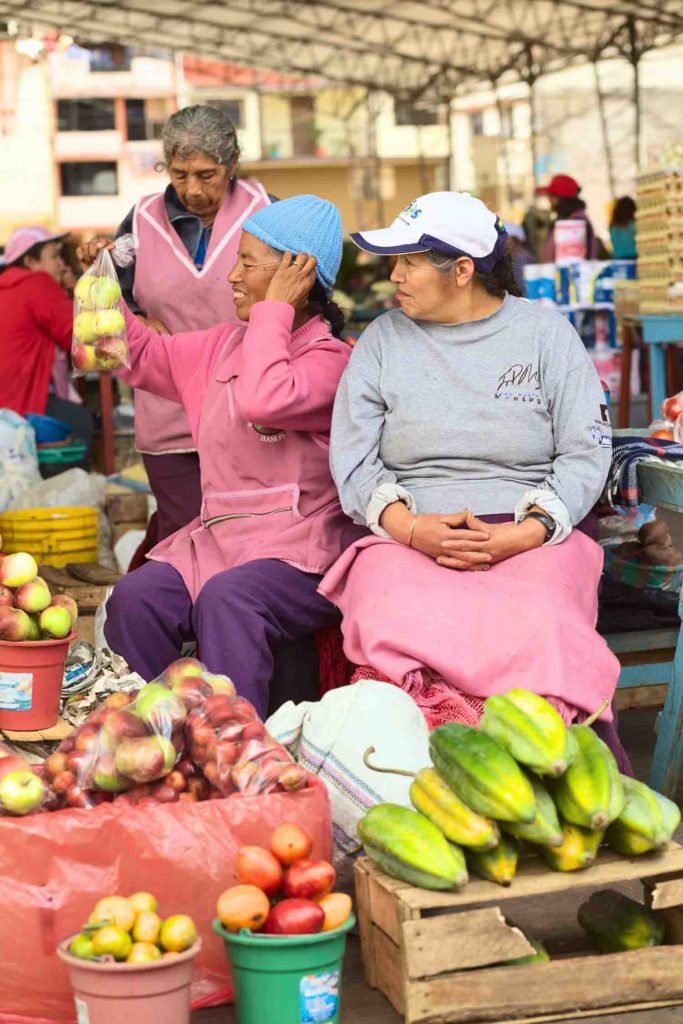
(15,625)
(33,597)
(6,598)
(64,601)
(17,569)
(55,622)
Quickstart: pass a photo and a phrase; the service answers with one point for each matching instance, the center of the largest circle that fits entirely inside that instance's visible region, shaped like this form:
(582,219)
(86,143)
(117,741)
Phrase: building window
(85,115)
(233,108)
(145,119)
(477,122)
(110,57)
(304,132)
(507,126)
(406,113)
(96,178)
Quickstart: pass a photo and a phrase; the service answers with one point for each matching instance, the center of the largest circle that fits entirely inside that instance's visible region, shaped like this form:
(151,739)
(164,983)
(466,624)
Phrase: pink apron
(527,622)
(169,288)
(263,497)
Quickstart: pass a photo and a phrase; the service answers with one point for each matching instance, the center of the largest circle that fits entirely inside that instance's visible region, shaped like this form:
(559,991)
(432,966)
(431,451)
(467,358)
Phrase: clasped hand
(462,541)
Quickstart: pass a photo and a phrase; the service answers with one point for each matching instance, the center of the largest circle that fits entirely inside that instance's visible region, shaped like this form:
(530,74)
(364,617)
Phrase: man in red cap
(563,193)
(36,318)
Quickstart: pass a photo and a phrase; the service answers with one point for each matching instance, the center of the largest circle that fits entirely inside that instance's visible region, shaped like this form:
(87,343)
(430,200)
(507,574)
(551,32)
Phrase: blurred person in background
(36,318)
(563,194)
(622,229)
(187,239)
(519,249)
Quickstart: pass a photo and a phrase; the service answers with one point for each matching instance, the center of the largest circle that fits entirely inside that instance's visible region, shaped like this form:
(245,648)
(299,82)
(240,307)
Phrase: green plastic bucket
(286,978)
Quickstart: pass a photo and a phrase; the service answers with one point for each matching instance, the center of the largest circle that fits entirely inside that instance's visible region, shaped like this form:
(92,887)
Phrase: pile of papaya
(522,776)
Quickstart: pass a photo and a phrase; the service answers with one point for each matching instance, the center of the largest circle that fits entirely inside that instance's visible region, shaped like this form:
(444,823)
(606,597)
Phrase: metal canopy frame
(426,51)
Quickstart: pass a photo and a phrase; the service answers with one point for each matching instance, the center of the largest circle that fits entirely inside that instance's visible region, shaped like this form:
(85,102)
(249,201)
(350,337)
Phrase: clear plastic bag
(99,331)
(185,736)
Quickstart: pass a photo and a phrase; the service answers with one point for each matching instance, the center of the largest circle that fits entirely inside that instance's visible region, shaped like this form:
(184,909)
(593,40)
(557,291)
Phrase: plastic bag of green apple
(99,331)
(129,740)
(22,790)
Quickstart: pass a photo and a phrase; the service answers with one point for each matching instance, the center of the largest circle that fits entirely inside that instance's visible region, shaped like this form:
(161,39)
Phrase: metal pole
(605,132)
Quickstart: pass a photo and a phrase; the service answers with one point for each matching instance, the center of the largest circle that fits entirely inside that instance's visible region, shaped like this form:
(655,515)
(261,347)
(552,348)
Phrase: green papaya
(545,829)
(530,729)
(591,792)
(431,795)
(498,865)
(646,823)
(405,845)
(481,773)
(540,956)
(578,850)
(615,923)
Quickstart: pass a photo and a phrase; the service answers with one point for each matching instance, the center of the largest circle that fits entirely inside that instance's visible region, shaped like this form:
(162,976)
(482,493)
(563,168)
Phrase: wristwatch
(547,521)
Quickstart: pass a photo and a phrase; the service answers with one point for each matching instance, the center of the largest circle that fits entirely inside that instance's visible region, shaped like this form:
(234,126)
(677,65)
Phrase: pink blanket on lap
(529,621)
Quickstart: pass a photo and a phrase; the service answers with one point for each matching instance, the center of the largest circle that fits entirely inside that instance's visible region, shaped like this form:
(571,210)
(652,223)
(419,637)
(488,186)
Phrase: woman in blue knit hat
(243,576)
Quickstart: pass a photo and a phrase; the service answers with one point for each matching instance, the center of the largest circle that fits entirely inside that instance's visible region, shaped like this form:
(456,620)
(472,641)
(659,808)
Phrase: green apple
(84,328)
(34,628)
(83,290)
(159,707)
(105,293)
(108,321)
(56,622)
(21,792)
(17,569)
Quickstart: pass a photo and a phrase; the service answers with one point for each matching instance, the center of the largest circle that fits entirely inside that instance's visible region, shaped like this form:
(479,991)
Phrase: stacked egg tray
(659,234)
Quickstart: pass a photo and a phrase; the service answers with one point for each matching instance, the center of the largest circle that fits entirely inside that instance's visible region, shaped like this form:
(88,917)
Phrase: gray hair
(200,129)
(444,264)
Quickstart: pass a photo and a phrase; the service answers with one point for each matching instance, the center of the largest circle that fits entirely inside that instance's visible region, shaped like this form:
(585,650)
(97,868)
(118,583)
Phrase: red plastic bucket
(31,675)
(120,993)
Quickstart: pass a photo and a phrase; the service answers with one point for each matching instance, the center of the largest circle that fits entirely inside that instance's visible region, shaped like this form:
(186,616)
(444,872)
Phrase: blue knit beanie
(302,224)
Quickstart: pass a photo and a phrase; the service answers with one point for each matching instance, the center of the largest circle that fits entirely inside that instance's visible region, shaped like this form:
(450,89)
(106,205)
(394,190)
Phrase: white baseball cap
(452,223)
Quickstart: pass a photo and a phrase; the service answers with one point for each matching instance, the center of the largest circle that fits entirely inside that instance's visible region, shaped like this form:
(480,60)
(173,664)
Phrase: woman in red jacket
(36,317)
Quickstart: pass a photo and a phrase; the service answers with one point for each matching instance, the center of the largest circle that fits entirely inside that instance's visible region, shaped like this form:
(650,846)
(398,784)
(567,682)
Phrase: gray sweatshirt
(493,415)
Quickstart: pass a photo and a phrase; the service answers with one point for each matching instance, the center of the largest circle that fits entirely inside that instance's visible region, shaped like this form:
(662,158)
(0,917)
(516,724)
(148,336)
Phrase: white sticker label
(82,1011)
(16,691)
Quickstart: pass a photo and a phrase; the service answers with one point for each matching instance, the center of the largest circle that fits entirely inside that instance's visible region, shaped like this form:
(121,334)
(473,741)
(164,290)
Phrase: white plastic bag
(18,458)
(329,738)
(99,332)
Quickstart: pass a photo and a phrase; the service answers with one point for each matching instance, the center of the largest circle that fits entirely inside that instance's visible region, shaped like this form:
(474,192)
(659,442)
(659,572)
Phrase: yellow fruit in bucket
(141,901)
(147,927)
(178,933)
(112,941)
(115,910)
(143,952)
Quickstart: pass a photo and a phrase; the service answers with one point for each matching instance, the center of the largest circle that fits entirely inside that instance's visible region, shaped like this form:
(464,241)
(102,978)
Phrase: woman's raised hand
(293,280)
(88,252)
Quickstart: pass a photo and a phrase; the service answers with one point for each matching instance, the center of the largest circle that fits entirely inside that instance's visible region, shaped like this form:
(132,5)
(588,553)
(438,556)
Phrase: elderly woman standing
(470,435)
(188,237)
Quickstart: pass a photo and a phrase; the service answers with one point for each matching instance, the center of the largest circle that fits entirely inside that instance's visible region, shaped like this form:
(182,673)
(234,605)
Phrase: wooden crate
(438,957)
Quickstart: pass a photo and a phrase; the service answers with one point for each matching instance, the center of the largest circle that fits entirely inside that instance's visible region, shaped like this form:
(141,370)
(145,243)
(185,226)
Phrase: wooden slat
(663,892)
(534,879)
(364,912)
(475,938)
(389,969)
(559,987)
(630,697)
(642,640)
(574,1015)
(386,909)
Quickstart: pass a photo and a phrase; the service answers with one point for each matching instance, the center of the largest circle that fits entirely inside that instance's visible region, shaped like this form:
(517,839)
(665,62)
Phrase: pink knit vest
(168,287)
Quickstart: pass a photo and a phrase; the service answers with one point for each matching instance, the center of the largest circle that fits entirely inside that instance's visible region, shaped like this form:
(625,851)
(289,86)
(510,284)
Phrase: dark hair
(320,304)
(33,253)
(498,281)
(624,212)
(568,205)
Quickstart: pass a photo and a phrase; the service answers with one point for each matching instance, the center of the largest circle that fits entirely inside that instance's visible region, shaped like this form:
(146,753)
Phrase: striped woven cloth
(622,489)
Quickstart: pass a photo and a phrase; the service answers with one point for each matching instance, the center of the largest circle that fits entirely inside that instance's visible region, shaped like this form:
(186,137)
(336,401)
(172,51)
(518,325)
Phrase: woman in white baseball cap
(471,437)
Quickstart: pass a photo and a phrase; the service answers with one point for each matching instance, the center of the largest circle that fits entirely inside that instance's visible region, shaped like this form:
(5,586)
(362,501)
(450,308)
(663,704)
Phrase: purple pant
(176,485)
(238,619)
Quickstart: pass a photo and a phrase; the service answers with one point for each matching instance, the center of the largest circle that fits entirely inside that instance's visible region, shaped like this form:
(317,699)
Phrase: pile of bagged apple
(186,736)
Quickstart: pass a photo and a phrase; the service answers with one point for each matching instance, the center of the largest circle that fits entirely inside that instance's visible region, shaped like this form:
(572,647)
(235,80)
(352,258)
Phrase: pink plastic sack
(54,867)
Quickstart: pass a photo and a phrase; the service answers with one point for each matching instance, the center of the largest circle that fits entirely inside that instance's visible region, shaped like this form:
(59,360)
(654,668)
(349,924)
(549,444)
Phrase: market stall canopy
(426,50)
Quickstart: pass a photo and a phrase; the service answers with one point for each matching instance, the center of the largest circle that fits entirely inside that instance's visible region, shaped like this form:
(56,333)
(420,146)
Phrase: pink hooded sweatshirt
(265,495)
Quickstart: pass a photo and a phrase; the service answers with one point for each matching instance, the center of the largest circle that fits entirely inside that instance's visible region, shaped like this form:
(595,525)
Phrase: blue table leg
(657,376)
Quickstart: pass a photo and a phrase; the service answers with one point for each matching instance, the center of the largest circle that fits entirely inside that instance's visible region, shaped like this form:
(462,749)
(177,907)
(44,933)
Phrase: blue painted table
(657,333)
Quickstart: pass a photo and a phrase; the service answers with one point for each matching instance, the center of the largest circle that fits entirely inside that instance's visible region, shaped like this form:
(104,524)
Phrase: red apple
(165,794)
(63,781)
(177,781)
(211,771)
(77,797)
(33,597)
(253,731)
(192,690)
(199,788)
(15,625)
(122,725)
(148,801)
(181,668)
(105,774)
(88,739)
(145,759)
(243,711)
(187,798)
(6,597)
(226,752)
(83,358)
(231,732)
(218,710)
(186,767)
(119,700)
